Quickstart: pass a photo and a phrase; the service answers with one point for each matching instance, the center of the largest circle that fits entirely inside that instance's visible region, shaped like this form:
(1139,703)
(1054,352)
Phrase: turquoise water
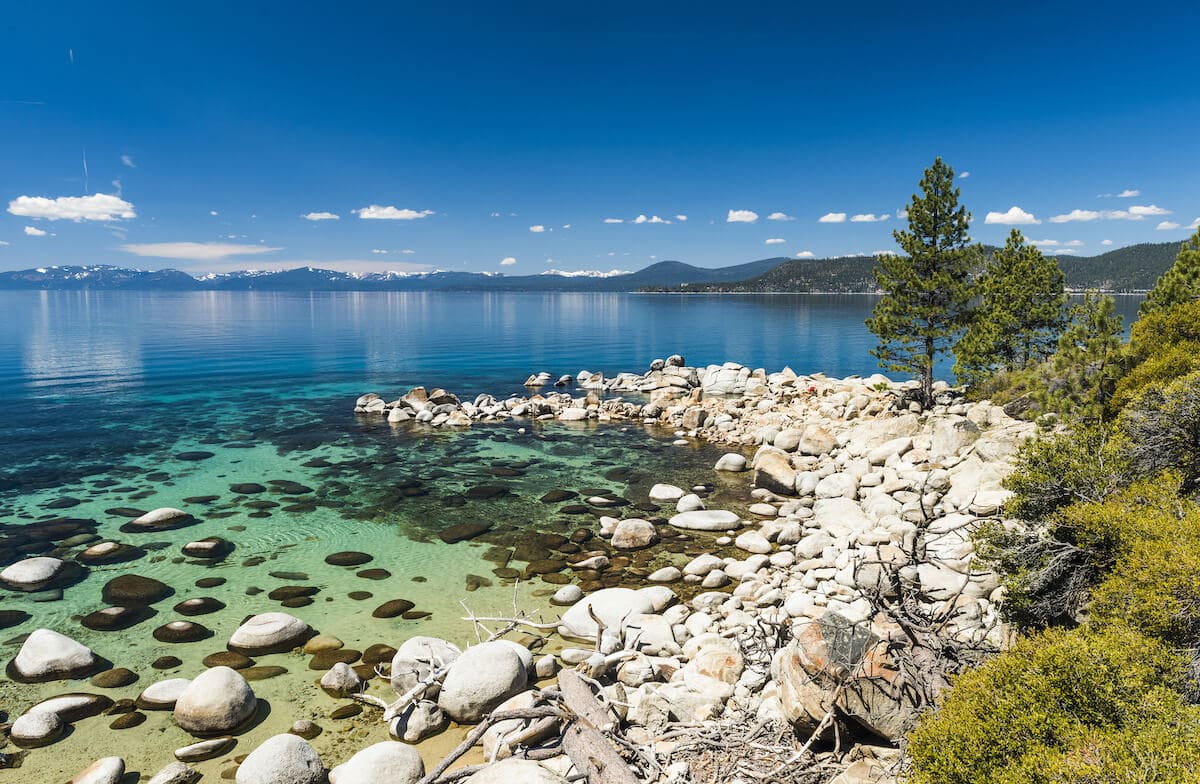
(107,399)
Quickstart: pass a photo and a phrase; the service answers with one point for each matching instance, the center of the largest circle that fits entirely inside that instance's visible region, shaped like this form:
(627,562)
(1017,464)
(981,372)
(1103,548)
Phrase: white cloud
(681,218)
(195,251)
(34,231)
(1129,193)
(964,175)
(507,261)
(320,216)
(832,217)
(408,251)
(378,250)
(805,254)
(902,214)
(1136,212)
(127,160)
(869,217)
(1106,242)
(212,212)
(1167,226)
(1015,216)
(1194,224)
(775,241)
(651,219)
(780,216)
(97,207)
(3,243)
(741,216)
(614,220)
(566,225)
(1061,251)
(377,212)
(537,228)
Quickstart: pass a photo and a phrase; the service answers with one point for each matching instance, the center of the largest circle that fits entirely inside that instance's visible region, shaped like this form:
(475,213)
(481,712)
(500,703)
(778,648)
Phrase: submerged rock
(272,632)
(107,770)
(47,655)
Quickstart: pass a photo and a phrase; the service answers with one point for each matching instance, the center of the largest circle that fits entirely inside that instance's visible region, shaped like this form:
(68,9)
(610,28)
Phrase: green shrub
(1161,429)
(1086,464)
(1163,345)
(1049,699)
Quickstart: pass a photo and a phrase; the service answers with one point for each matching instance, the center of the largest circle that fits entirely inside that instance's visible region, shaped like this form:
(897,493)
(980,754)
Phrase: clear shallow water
(101,392)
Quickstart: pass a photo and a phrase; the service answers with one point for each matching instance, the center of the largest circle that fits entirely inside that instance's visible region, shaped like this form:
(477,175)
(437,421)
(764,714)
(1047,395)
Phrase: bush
(1087,464)
(1163,345)
(1055,698)
(1049,574)
(1162,430)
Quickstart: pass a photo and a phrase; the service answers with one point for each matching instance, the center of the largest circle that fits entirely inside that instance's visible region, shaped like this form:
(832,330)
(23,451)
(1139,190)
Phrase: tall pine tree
(1086,361)
(1021,312)
(1179,284)
(927,291)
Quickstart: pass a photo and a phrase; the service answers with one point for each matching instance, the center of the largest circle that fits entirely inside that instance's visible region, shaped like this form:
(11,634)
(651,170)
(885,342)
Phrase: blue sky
(209,133)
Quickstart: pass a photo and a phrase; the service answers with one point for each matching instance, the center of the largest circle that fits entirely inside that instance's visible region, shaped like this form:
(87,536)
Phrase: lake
(237,407)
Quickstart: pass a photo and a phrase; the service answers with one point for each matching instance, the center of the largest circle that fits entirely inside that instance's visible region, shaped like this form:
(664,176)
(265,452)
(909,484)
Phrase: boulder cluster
(854,573)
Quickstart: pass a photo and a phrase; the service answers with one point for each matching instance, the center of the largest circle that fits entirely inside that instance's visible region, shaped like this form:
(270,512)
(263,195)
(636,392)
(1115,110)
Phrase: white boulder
(388,762)
(217,700)
(282,759)
(484,676)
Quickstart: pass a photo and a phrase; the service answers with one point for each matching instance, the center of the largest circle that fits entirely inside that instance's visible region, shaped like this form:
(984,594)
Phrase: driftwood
(584,742)
(474,736)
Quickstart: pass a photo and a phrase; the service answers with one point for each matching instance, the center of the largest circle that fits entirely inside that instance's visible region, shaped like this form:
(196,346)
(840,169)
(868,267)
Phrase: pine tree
(1087,360)
(1179,284)
(1021,313)
(927,292)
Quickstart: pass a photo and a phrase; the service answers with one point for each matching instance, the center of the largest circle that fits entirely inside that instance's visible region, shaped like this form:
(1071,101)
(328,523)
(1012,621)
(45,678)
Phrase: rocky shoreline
(795,639)
(853,597)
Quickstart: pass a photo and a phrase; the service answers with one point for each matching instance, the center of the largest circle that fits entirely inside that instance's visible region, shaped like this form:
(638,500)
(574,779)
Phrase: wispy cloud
(34,231)
(1056,243)
(681,218)
(869,217)
(321,216)
(741,216)
(780,216)
(127,160)
(964,175)
(1129,193)
(507,261)
(537,228)
(614,220)
(832,217)
(195,251)
(1167,226)
(1015,216)
(378,212)
(96,207)
(774,241)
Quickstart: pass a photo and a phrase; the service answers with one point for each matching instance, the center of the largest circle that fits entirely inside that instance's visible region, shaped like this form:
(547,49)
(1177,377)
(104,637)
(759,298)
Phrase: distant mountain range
(102,277)
(1130,269)
(1134,268)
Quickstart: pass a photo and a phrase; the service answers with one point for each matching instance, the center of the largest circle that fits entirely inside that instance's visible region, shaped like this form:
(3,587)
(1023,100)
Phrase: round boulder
(282,759)
(415,660)
(483,677)
(218,700)
(47,655)
(706,520)
(389,762)
(107,770)
(134,590)
(611,606)
(35,729)
(273,632)
(32,574)
(634,534)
